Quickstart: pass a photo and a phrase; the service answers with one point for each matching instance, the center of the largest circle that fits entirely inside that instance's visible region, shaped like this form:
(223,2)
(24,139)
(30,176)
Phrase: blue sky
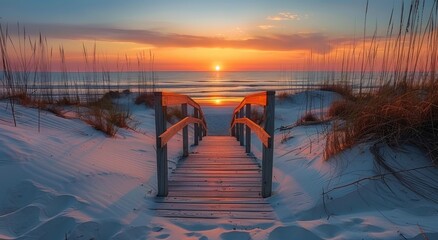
(336,17)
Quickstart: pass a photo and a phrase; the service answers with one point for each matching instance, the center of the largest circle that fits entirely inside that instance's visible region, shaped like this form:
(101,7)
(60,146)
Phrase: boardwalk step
(216,188)
(212,167)
(242,207)
(213,179)
(212,200)
(218,180)
(216,214)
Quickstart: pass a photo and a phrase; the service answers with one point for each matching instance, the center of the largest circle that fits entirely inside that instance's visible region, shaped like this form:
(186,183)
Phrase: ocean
(201,86)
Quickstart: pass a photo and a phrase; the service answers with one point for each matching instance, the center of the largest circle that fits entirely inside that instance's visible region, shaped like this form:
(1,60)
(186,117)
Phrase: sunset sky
(199,34)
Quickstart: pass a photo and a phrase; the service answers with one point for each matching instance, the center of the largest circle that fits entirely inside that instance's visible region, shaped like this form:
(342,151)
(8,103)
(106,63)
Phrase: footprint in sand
(31,210)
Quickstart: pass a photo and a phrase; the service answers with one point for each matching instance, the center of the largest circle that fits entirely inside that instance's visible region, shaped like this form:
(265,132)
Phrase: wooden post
(242,126)
(201,132)
(268,152)
(185,132)
(248,130)
(237,127)
(233,129)
(160,127)
(196,130)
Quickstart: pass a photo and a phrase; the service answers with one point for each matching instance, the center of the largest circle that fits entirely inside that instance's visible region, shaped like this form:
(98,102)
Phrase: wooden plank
(215,188)
(216,184)
(219,147)
(218,171)
(217,155)
(219,200)
(242,207)
(214,179)
(214,194)
(212,167)
(217,175)
(218,162)
(216,215)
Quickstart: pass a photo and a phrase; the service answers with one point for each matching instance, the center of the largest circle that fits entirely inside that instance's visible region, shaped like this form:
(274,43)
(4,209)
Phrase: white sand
(72,181)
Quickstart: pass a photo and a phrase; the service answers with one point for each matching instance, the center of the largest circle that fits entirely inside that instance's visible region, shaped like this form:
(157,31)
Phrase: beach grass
(403,108)
(27,79)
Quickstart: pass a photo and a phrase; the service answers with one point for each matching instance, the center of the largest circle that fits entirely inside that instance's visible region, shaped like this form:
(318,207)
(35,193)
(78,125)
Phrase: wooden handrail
(170,98)
(256,98)
(259,131)
(163,135)
(170,132)
(241,118)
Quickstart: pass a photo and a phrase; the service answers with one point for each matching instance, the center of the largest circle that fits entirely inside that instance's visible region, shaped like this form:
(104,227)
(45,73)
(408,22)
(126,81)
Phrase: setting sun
(217,68)
(217,101)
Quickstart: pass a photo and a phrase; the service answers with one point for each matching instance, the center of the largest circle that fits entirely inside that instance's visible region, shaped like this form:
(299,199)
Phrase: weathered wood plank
(241,207)
(217,214)
(213,155)
(214,179)
(219,172)
(217,163)
(209,200)
(217,175)
(216,184)
(214,188)
(213,167)
(215,194)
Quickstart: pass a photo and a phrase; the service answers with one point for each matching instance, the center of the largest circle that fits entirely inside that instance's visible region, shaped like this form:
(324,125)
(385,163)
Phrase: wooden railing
(242,118)
(163,135)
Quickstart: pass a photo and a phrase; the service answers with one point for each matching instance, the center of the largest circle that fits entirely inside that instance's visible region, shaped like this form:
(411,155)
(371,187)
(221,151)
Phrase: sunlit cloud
(316,42)
(284,16)
(266,27)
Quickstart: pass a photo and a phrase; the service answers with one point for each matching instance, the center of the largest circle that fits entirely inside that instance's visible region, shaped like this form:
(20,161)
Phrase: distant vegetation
(28,79)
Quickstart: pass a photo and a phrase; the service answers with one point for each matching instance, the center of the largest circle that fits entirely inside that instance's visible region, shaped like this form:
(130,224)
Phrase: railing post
(196,130)
(185,132)
(241,138)
(201,132)
(160,127)
(248,130)
(237,127)
(268,152)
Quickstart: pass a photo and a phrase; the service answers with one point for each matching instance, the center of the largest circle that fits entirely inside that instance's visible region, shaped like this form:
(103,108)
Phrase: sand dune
(71,181)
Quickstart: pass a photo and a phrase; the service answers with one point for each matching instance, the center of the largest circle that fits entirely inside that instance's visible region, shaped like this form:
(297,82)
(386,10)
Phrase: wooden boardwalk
(217,180)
